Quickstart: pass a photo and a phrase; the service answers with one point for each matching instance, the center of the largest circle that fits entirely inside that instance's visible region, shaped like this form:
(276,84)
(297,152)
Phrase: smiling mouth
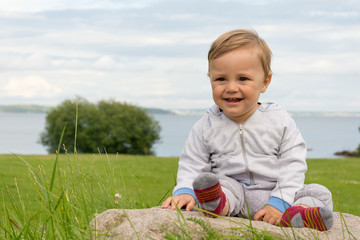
(233,100)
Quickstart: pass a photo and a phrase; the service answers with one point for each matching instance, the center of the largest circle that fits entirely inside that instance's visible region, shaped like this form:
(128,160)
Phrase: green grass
(341,176)
(56,197)
(144,179)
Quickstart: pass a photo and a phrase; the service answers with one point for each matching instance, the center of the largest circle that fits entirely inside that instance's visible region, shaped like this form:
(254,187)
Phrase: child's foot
(312,217)
(209,194)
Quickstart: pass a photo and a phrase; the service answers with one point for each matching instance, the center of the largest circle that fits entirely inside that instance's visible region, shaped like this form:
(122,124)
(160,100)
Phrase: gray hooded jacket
(268,147)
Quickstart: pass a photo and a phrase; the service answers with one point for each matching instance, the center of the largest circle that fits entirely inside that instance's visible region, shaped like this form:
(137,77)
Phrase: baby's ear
(266,83)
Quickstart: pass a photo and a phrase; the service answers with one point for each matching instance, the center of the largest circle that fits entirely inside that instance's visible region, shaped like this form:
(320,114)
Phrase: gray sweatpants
(245,200)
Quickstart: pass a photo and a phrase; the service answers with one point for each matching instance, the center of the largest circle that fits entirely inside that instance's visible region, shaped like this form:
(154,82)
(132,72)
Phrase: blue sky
(153,53)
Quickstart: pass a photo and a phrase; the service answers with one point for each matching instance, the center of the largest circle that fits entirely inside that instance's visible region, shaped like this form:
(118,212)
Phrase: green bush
(107,126)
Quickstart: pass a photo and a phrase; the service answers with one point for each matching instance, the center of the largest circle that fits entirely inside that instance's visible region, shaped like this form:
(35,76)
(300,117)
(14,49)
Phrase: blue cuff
(278,203)
(185,191)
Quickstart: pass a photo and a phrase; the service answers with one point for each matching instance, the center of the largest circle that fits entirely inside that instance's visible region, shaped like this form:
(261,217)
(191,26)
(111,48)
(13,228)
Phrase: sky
(153,53)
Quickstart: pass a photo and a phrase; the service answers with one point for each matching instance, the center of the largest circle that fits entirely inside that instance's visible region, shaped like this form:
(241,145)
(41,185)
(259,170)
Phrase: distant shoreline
(23,108)
(31,108)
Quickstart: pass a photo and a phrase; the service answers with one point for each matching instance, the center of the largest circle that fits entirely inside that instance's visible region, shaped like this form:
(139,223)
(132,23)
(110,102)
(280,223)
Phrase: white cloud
(43,5)
(105,62)
(317,63)
(17,15)
(336,14)
(154,51)
(29,87)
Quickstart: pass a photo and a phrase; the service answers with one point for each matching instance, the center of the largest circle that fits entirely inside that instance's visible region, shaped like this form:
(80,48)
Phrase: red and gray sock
(209,194)
(313,217)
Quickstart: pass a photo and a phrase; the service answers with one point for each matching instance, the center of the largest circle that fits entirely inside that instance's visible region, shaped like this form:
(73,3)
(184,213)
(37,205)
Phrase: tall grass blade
(163,197)
(37,178)
(25,230)
(13,223)
(56,159)
(343,223)
(131,224)
(76,123)
(59,200)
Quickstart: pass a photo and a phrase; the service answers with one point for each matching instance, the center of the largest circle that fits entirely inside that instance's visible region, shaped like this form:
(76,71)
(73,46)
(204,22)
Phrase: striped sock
(209,194)
(314,217)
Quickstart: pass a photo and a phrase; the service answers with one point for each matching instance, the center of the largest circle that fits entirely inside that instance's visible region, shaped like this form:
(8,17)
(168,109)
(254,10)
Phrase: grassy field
(46,194)
(142,179)
(341,176)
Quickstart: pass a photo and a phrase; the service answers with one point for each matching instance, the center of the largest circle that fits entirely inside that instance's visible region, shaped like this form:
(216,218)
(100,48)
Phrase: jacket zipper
(251,176)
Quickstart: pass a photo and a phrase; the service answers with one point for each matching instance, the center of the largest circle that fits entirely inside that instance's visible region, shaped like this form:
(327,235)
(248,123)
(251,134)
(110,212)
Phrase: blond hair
(239,38)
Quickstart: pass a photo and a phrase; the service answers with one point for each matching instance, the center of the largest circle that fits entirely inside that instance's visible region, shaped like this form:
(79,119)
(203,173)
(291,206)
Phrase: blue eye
(220,79)
(243,79)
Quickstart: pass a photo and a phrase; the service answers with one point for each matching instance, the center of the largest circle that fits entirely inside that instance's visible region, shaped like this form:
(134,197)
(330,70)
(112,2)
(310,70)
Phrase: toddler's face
(237,79)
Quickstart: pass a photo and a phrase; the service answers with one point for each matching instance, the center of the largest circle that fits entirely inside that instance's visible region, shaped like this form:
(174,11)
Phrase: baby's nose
(232,86)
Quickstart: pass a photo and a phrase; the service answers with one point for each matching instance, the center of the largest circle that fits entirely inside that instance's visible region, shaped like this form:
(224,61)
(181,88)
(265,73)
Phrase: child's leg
(209,194)
(319,218)
(312,209)
(256,197)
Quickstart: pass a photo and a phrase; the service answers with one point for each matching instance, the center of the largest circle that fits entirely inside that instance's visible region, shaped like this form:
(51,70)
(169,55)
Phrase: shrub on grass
(107,126)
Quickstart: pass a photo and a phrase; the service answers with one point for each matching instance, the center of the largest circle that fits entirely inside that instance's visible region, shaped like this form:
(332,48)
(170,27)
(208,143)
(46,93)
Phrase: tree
(107,126)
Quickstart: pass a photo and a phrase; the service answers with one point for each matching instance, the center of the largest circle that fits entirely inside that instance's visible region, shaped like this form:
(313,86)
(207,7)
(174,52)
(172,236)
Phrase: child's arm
(269,214)
(193,161)
(181,201)
(292,168)
(292,165)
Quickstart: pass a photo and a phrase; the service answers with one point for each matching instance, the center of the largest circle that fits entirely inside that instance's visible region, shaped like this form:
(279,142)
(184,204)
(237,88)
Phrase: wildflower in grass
(117,196)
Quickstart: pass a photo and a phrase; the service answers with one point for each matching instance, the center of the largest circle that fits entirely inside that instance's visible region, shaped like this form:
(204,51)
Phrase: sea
(324,134)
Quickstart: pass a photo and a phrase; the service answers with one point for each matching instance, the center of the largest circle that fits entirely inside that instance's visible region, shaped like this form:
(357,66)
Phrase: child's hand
(269,214)
(181,201)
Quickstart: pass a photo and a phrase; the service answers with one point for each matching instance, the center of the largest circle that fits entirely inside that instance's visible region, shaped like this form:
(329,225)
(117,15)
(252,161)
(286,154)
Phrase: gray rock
(155,223)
